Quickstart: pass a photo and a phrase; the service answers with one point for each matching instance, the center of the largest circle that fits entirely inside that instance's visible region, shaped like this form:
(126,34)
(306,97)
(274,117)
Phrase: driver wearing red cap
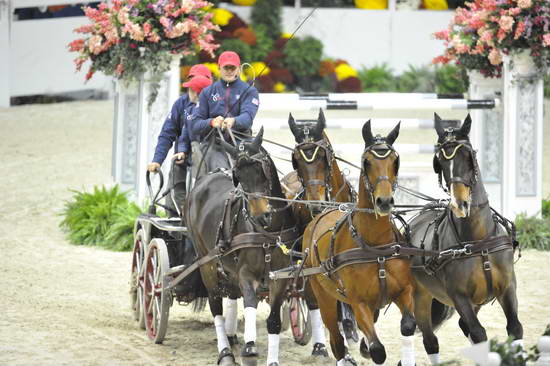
(229,102)
(176,128)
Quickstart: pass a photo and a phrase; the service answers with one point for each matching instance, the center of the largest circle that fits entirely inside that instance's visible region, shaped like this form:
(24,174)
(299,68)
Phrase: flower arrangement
(482,33)
(127,38)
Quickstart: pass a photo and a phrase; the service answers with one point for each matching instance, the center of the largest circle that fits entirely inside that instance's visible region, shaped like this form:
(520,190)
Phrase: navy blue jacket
(216,100)
(171,129)
(184,141)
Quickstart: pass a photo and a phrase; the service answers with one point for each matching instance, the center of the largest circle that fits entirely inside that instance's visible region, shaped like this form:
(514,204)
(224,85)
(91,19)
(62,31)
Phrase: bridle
(381,150)
(450,142)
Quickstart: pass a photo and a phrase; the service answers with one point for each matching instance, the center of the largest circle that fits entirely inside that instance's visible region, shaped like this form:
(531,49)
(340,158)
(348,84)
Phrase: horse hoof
(319,350)
(249,350)
(226,358)
(233,340)
(273,364)
(364,349)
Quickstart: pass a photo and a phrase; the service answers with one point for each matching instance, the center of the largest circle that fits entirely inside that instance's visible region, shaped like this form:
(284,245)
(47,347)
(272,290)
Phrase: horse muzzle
(383,205)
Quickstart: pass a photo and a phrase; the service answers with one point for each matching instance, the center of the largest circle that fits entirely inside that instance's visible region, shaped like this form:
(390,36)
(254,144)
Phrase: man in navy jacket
(228,103)
(171,131)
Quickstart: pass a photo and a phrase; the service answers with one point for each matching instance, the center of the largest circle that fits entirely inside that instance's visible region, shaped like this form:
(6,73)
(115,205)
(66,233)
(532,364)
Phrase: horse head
(311,158)
(455,160)
(380,166)
(253,170)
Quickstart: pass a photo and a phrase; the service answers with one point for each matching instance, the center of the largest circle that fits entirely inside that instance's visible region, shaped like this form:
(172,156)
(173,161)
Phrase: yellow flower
(286,35)
(344,71)
(244,2)
(371,4)
(279,87)
(256,69)
(213,67)
(221,16)
(436,4)
(243,77)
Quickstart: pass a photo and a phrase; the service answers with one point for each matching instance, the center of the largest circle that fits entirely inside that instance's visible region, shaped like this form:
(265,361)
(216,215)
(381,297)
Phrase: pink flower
(442,35)
(119,69)
(494,57)
(514,11)
(89,74)
(166,23)
(506,22)
(154,38)
(546,40)
(147,29)
(524,4)
(519,30)
(76,45)
(94,44)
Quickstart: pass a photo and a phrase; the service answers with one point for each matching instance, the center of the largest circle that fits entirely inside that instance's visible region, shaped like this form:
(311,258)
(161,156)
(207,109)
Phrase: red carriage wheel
(156,299)
(300,322)
(136,278)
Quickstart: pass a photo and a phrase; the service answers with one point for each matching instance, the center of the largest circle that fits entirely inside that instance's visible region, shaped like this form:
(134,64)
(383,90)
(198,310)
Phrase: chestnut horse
(358,253)
(476,245)
(317,177)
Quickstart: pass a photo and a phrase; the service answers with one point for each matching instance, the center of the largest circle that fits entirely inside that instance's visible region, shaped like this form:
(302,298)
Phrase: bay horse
(358,252)
(316,177)
(230,208)
(476,261)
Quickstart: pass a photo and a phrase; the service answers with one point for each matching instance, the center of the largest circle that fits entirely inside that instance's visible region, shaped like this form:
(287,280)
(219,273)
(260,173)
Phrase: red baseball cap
(229,58)
(200,70)
(198,83)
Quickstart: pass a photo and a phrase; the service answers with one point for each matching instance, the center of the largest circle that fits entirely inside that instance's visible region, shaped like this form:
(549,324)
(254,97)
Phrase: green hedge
(103,218)
(533,232)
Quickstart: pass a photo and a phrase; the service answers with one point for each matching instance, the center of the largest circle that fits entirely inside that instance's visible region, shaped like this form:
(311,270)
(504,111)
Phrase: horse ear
(230,149)
(392,136)
(367,134)
(438,125)
(293,128)
(258,139)
(321,122)
(466,126)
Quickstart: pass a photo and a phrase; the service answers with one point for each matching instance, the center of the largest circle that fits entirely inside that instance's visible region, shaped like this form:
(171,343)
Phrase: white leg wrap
(231,317)
(219,324)
(341,362)
(407,350)
(249,325)
(434,358)
(470,339)
(272,348)
(341,329)
(317,327)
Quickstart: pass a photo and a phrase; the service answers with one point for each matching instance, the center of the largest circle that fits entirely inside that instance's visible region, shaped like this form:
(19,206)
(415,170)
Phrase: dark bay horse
(317,177)
(230,208)
(476,263)
(358,252)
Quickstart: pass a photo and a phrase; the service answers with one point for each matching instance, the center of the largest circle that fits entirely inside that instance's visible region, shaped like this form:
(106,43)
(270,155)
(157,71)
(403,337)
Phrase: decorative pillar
(522,153)
(136,128)
(487,134)
(5,34)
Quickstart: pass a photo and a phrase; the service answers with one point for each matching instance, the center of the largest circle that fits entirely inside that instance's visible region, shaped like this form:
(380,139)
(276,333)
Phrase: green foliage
(379,78)
(120,236)
(264,44)
(449,79)
(234,44)
(533,232)
(546,209)
(510,355)
(268,14)
(417,80)
(303,56)
(547,85)
(90,218)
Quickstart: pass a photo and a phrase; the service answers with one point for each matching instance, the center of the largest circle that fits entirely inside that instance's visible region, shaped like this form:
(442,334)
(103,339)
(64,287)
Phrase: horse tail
(199,304)
(440,313)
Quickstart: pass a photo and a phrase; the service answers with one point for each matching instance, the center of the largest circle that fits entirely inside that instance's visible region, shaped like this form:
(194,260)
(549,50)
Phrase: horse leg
(509,303)
(465,309)
(225,355)
(365,319)
(249,351)
(328,307)
(277,291)
(317,327)
(408,324)
(464,327)
(423,316)
(231,314)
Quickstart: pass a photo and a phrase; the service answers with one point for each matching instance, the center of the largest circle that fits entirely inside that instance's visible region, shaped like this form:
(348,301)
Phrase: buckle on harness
(468,249)
(381,273)
(397,249)
(487,266)
(267,258)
